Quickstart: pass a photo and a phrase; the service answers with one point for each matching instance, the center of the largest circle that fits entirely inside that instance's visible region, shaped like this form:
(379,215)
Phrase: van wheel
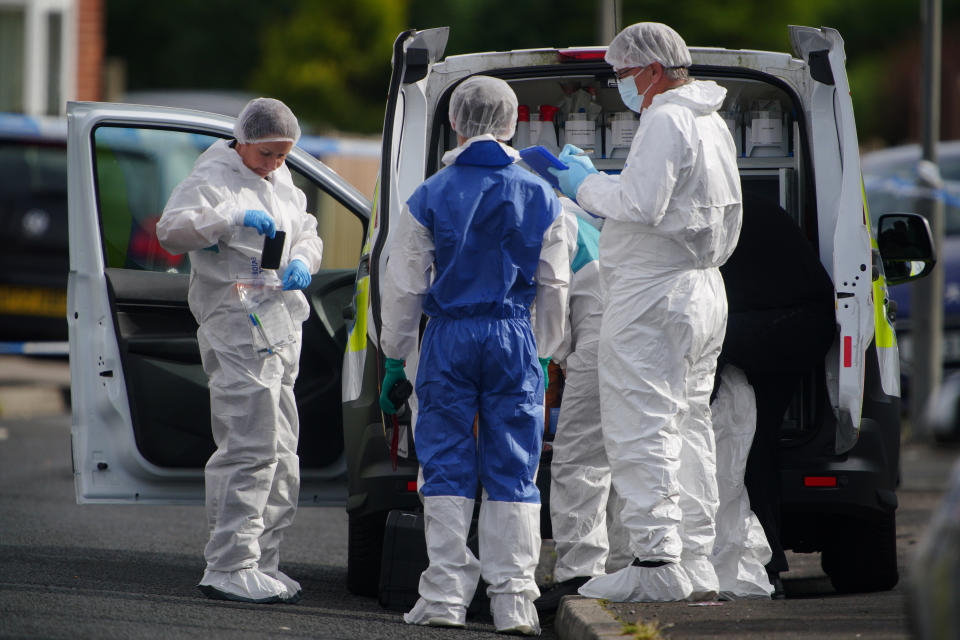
(866,559)
(364,552)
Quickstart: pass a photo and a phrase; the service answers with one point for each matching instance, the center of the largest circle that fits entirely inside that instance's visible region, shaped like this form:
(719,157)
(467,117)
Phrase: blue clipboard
(539,158)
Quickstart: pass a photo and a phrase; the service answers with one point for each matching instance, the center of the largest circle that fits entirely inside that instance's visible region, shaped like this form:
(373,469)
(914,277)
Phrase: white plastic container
(623,126)
(766,131)
(581,131)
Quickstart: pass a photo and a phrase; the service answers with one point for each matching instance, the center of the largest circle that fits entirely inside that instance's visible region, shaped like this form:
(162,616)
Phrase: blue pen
(256,322)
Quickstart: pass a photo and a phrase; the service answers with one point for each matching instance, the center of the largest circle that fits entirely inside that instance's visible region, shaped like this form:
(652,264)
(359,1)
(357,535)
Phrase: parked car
(133,343)
(33,220)
(891,183)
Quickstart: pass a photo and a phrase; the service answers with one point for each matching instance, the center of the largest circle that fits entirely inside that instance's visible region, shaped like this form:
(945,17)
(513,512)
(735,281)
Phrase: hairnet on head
(646,42)
(482,104)
(266,120)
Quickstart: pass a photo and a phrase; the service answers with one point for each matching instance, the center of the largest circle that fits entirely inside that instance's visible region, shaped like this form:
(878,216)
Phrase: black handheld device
(272,250)
(398,394)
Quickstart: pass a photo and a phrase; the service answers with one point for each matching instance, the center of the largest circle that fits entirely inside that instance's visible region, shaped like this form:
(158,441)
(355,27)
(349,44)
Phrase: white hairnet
(266,120)
(646,42)
(482,104)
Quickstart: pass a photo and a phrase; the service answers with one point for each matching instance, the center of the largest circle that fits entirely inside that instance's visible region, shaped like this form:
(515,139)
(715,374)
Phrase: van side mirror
(906,247)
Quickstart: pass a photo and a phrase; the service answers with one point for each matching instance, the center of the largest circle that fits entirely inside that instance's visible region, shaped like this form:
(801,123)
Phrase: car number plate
(33,301)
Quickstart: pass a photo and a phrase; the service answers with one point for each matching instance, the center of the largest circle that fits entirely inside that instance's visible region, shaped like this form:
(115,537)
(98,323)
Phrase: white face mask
(628,93)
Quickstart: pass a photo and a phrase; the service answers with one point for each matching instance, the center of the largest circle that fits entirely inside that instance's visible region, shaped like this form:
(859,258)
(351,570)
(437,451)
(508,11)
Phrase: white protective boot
(509,552)
(449,582)
(243,585)
(665,582)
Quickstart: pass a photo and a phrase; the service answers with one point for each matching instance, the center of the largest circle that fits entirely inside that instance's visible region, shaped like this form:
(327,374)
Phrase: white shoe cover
(436,614)
(743,575)
(668,583)
(515,614)
(243,585)
(703,577)
(292,586)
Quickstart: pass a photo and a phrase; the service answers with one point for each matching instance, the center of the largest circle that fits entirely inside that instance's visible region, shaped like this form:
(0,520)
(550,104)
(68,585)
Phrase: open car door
(844,231)
(141,411)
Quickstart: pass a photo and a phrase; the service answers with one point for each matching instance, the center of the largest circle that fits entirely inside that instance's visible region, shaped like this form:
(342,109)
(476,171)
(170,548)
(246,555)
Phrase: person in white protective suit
(475,270)
(586,525)
(238,193)
(741,551)
(672,217)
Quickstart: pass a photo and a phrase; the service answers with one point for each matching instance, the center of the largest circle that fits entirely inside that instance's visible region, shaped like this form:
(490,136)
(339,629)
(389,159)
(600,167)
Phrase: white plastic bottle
(534,130)
(548,132)
(521,139)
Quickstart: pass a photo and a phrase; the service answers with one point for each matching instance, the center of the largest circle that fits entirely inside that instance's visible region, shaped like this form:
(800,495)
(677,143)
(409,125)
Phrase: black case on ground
(404,559)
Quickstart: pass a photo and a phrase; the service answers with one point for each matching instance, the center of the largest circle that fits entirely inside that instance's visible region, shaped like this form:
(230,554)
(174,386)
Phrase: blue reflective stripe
(35,348)
(588,245)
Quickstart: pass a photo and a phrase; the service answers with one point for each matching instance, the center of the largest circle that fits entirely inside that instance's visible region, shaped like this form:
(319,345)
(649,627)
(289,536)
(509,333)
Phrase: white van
(140,408)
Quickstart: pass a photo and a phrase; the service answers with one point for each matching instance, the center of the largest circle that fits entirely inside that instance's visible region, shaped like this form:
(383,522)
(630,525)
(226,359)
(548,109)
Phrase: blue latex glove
(394,374)
(260,221)
(544,362)
(580,168)
(296,276)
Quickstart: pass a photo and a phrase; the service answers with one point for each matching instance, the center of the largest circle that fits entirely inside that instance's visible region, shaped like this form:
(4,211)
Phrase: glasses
(629,71)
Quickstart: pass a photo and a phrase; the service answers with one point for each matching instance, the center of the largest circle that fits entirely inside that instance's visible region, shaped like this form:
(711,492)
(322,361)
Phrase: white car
(140,410)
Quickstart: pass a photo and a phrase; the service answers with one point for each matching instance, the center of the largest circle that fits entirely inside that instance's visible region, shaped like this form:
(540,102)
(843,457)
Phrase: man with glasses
(672,218)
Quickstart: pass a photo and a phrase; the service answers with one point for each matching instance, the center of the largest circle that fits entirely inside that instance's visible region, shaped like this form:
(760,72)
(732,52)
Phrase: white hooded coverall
(672,217)
(741,548)
(586,525)
(253,477)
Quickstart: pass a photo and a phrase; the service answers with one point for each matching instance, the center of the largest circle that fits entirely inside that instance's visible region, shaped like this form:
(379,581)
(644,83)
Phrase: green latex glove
(546,377)
(394,374)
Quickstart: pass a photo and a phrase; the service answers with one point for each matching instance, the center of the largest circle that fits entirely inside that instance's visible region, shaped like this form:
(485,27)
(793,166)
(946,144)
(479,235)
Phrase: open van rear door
(401,163)
(843,225)
(141,413)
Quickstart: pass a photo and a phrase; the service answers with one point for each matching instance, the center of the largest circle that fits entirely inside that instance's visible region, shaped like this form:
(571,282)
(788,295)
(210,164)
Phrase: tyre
(866,559)
(364,552)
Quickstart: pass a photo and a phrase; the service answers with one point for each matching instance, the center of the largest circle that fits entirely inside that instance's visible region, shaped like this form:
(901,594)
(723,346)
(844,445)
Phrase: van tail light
(571,55)
(412,486)
(819,481)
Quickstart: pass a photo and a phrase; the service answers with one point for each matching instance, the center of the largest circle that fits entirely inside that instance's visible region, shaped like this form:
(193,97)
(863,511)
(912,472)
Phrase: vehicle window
(33,171)
(136,170)
(341,230)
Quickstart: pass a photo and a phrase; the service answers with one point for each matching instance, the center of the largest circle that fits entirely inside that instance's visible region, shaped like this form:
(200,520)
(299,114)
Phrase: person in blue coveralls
(477,246)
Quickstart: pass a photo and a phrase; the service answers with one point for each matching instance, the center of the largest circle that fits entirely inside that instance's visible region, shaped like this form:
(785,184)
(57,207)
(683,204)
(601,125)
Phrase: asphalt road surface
(129,571)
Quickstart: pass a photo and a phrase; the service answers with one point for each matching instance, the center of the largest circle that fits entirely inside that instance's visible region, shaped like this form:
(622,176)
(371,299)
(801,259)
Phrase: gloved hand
(544,362)
(394,374)
(580,168)
(259,220)
(296,276)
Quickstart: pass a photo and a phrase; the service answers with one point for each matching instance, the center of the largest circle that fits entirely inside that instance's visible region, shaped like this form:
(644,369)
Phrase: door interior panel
(321,360)
(169,397)
(166,386)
